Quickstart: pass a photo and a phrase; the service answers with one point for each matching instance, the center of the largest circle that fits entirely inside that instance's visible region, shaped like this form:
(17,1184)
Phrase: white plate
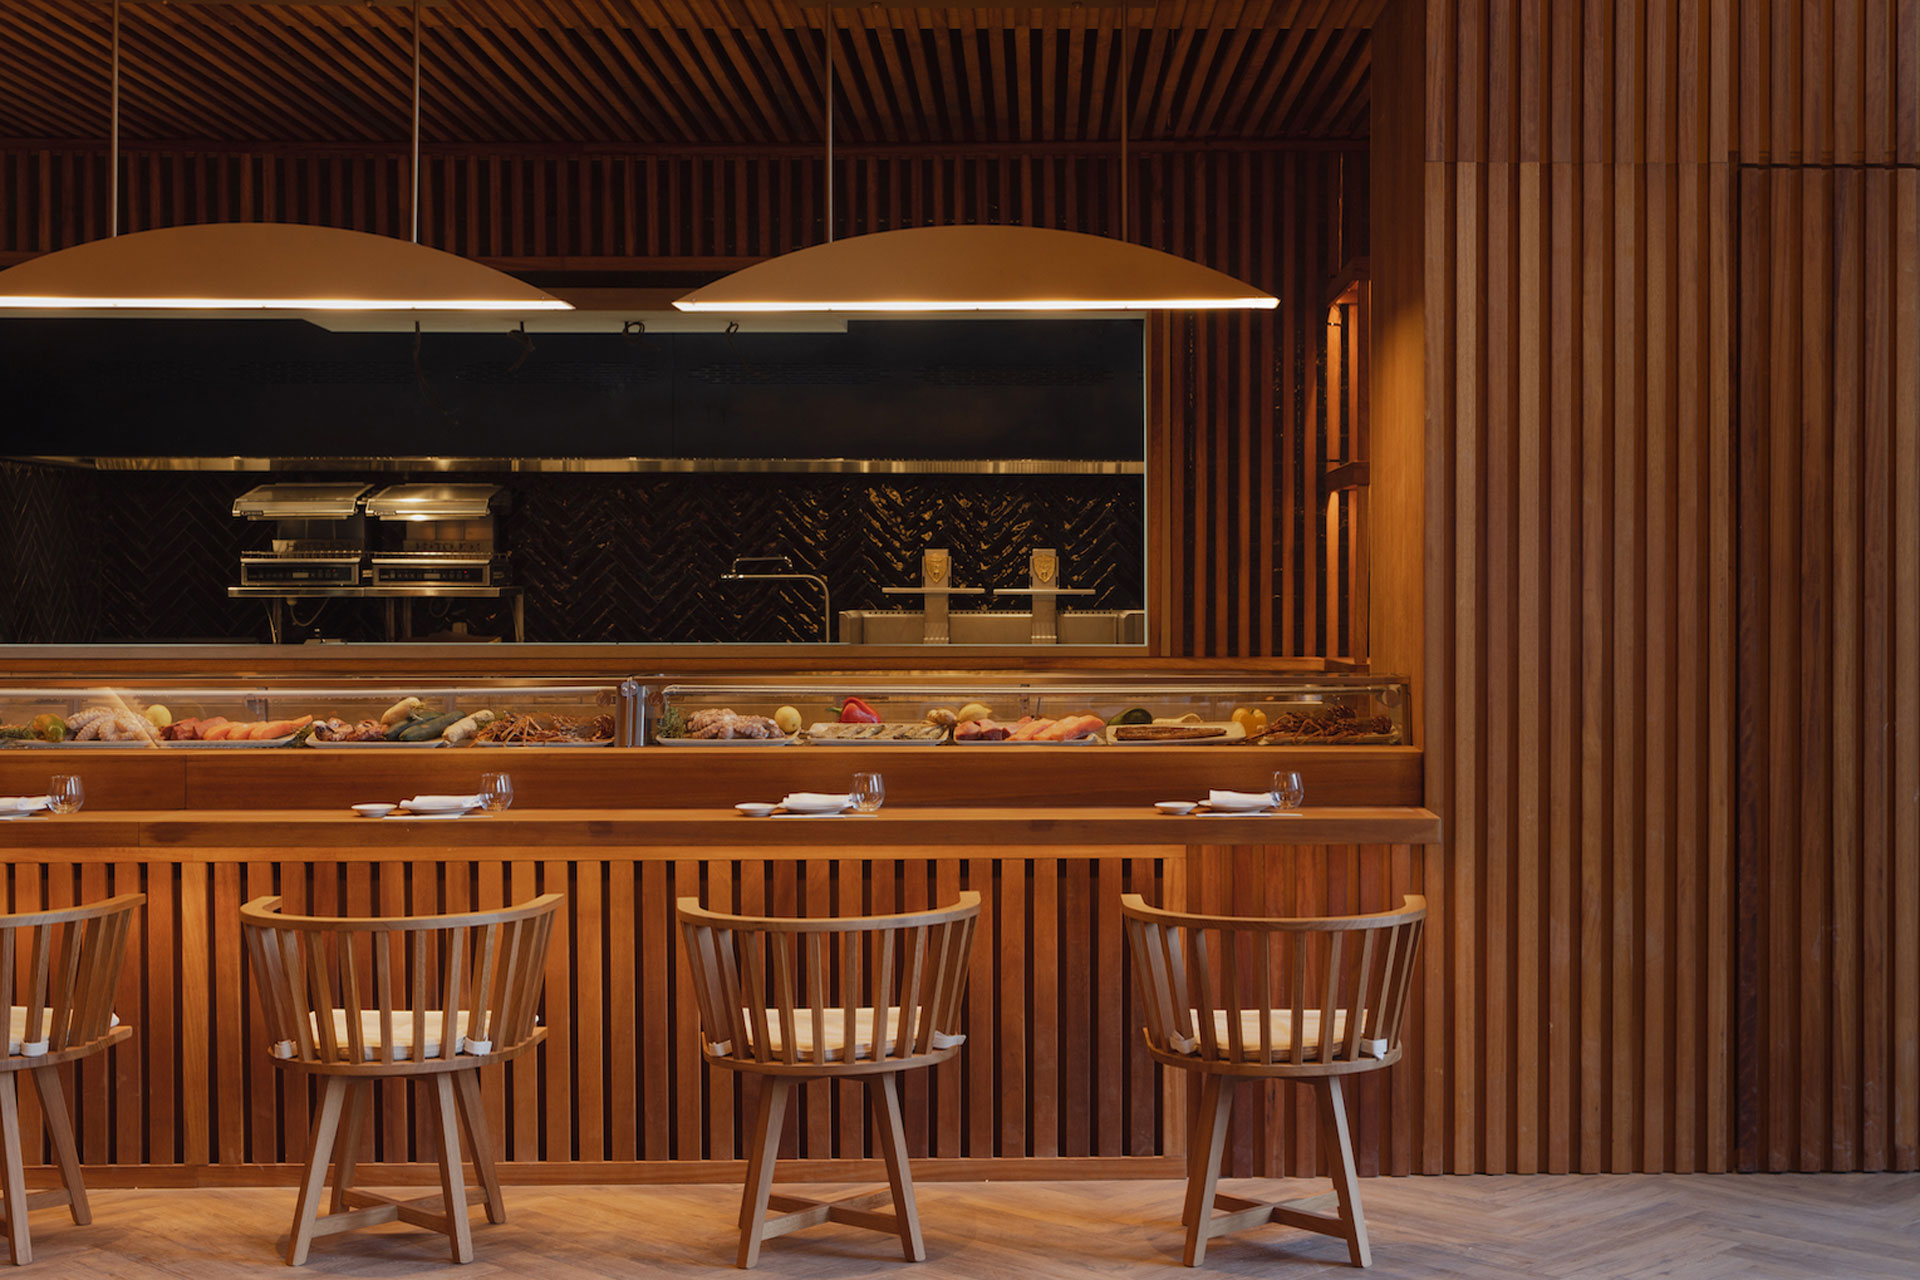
(424,810)
(815,807)
(36,813)
(1085,740)
(1175,806)
(756,810)
(201,743)
(374,810)
(1237,809)
(808,813)
(428,817)
(1234,733)
(347,746)
(714,742)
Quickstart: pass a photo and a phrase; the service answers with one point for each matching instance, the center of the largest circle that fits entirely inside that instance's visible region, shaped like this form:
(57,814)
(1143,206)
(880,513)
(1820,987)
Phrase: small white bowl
(1175,806)
(756,810)
(374,810)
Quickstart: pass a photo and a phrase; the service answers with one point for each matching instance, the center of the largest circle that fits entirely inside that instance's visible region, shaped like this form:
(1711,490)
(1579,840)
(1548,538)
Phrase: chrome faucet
(739,572)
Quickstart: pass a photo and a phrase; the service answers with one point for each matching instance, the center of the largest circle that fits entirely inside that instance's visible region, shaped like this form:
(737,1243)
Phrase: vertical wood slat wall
(1673,380)
(1244,569)
(1053,1068)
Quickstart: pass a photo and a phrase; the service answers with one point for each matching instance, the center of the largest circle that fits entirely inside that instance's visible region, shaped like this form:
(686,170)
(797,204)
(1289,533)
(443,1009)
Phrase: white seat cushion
(17,1042)
(1280,1028)
(836,1037)
(403,1046)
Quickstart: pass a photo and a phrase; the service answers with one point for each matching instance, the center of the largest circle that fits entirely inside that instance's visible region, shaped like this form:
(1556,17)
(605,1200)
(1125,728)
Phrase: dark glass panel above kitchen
(1065,389)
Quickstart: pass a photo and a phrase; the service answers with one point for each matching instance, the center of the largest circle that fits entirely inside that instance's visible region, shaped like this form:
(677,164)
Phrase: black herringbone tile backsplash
(115,556)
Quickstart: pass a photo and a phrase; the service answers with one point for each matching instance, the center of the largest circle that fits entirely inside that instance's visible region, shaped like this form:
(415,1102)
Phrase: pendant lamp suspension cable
(1126,111)
(413,200)
(113,131)
(826,46)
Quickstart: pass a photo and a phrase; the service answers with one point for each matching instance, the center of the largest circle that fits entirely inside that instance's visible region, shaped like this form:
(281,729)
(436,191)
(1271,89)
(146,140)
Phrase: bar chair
(881,996)
(1314,1000)
(428,998)
(68,961)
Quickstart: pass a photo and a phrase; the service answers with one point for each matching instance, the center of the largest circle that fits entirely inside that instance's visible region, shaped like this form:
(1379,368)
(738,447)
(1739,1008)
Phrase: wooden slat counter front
(1053,1079)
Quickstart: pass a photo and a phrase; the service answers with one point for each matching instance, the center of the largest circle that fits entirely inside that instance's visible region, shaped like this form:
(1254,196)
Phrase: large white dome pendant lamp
(259,268)
(971,269)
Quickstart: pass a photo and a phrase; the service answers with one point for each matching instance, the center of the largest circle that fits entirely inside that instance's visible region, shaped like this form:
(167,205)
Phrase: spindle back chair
(859,997)
(59,971)
(1313,999)
(431,998)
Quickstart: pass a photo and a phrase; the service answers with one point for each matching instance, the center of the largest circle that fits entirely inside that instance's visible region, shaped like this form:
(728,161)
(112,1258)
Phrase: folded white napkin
(1239,799)
(816,798)
(441,802)
(24,804)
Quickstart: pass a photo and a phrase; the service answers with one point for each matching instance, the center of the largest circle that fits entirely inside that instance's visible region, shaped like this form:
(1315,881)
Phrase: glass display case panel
(374,715)
(991,710)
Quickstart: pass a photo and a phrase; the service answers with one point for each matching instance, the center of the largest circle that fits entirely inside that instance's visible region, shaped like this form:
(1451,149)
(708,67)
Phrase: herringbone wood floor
(1854,1226)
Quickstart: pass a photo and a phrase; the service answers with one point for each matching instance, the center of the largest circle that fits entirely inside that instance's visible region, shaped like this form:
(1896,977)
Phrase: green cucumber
(428,729)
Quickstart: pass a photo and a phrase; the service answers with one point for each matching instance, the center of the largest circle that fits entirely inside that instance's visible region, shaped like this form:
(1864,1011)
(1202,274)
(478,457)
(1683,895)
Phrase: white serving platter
(871,742)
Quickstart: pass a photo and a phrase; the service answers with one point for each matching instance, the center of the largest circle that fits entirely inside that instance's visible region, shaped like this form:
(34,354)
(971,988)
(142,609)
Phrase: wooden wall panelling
(1830,297)
(1666,302)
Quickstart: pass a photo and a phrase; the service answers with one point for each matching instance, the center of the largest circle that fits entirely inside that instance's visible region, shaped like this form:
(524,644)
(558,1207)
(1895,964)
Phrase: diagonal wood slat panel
(687,72)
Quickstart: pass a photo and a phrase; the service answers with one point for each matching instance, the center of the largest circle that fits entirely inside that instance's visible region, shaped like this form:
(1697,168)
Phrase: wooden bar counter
(1053,1080)
(642,835)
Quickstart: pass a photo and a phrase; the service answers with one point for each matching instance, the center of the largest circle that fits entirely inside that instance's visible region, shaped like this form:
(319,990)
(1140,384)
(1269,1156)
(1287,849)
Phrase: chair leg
(66,1156)
(19,1242)
(1197,1145)
(346,1160)
(766,1149)
(1200,1193)
(453,1178)
(1346,1180)
(473,1119)
(884,1093)
(306,1210)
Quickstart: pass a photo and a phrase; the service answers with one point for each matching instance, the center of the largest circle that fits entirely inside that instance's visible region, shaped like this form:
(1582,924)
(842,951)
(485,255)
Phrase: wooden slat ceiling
(692,73)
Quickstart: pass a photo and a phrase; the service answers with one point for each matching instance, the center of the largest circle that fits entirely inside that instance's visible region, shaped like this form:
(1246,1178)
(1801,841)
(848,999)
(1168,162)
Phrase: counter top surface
(894,827)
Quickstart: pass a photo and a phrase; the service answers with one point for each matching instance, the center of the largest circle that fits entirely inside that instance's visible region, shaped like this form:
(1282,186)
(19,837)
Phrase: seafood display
(334,729)
(877,733)
(724,722)
(1335,725)
(111,724)
(531,731)
(221,729)
(1168,732)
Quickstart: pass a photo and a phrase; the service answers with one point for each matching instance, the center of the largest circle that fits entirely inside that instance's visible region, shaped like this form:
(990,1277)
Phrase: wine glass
(1288,790)
(66,793)
(496,792)
(869,792)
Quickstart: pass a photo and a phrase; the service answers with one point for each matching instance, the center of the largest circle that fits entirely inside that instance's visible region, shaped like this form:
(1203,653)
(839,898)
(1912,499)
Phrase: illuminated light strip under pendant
(933,271)
(255,268)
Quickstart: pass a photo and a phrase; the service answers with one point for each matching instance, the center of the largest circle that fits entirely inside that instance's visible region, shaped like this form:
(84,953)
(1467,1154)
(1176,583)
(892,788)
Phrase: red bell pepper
(855,711)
